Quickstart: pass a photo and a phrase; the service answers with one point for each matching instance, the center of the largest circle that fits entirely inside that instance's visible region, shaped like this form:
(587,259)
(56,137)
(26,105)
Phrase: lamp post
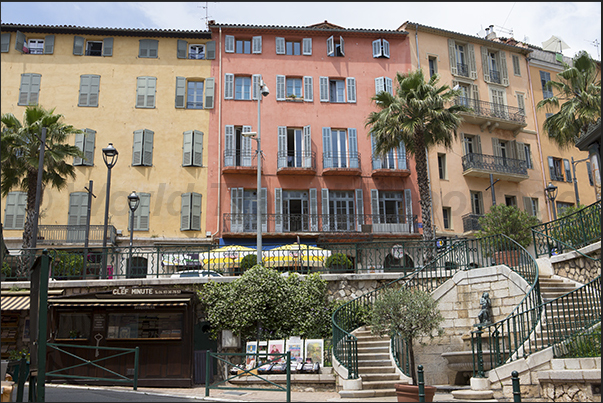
(551,194)
(133,202)
(110,155)
(262,92)
(574,163)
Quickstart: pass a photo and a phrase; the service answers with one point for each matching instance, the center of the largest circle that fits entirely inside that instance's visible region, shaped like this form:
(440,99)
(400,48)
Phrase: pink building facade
(319,179)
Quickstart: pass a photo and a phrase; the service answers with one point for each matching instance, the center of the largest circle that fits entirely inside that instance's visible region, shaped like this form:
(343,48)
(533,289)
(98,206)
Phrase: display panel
(145,326)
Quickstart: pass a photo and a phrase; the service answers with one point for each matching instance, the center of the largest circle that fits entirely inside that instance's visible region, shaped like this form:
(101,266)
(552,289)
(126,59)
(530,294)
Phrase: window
(530,205)
(335,48)
(192,149)
(247,46)
(190,212)
(142,154)
(334,89)
(340,148)
(93,48)
(384,84)
(516,67)
(243,209)
(294,147)
(442,166)
(142,213)
(340,208)
(294,212)
(477,204)
(288,88)
(146,87)
(77,217)
(511,201)
(494,64)
(446,217)
(381,48)
(148,48)
(462,59)
(14,210)
(293,47)
(74,324)
(498,98)
(196,51)
(525,153)
(555,169)
(30,89)
(471,145)
(568,171)
(89,89)
(469,94)
(562,206)
(237,87)
(237,148)
(395,159)
(433,65)
(521,104)
(85,142)
(34,46)
(192,91)
(547,90)
(391,207)
(153,325)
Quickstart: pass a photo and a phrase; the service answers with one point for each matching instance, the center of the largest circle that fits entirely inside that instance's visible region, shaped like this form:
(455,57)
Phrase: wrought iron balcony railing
(471,223)
(389,162)
(462,69)
(494,164)
(296,159)
(332,160)
(489,109)
(236,158)
(75,234)
(494,76)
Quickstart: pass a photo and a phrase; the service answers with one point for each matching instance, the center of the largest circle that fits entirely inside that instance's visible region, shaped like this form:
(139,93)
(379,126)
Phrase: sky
(577,23)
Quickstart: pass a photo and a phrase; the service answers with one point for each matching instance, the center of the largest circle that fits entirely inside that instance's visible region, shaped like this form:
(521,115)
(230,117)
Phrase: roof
(106,31)
(476,39)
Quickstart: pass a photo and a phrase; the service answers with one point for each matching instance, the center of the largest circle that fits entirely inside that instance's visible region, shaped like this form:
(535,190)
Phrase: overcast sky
(577,23)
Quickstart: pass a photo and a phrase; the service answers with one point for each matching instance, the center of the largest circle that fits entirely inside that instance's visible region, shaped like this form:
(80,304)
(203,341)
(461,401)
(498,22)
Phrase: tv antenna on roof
(206,8)
(596,44)
(505,30)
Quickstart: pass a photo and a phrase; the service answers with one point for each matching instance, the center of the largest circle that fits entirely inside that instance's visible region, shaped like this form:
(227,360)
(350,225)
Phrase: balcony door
(76,221)
(499,108)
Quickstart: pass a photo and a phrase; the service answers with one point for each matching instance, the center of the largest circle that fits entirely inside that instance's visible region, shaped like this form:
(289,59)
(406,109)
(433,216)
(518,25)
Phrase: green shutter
(108,47)
(150,92)
(141,215)
(49,44)
(147,155)
(30,87)
(210,50)
(89,140)
(94,90)
(187,148)
(78,45)
(185,212)
(209,93)
(197,148)
(5,43)
(10,211)
(79,143)
(20,42)
(180,92)
(196,199)
(181,49)
(137,148)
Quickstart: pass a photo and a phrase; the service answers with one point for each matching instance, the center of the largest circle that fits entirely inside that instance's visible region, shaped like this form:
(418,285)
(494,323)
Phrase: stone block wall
(576,267)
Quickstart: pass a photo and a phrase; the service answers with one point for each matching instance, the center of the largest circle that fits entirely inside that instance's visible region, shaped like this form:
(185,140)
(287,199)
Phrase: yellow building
(147,92)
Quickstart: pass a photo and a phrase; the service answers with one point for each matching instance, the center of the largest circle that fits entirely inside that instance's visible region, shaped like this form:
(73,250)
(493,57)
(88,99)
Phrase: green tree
(579,93)
(417,116)
(20,157)
(510,221)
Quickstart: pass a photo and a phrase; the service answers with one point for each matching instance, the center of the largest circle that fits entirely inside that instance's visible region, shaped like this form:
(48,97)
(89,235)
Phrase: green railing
(573,231)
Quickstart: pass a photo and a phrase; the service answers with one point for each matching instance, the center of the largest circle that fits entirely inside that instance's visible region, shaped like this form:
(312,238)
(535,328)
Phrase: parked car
(196,273)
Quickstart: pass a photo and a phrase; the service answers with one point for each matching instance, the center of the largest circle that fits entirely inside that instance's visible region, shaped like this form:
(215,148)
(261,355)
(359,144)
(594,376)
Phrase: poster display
(295,345)
(276,347)
(314,350)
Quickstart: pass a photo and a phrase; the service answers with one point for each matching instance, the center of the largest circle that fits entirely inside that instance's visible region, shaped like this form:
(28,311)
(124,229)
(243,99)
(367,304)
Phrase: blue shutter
(229,146)
(552,169)
(256,44)
(351,82)
(325,209)
(180,92)
(264,209)
(353,140)
(327,156)
(78,45)
(307,147)
(379,85)
(568,171)
(375,206)
(278,210)
(49,44)
(330,46)
(402,156)
(229,45)
(359,210)
(308,89)
(313,210)
(246,148)
(280,46)
(282,147)
(324,89)
(147,156)
(228,86)
(377,48)
(108,47)
(210,50)
(209,93)
(307,46)
(5,46)
(385,48)
(281,90)
(20,42)
(181,47)
(185,212)
(376,158)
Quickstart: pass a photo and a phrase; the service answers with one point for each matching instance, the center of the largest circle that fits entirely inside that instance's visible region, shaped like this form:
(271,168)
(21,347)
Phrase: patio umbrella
(181,259)
(296,255)
(555,44)
(224,258)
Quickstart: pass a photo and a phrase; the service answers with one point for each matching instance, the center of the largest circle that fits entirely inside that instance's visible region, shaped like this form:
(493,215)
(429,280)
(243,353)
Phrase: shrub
(6,270)
(338,260)
(510,221)
(67,265)
(247,262)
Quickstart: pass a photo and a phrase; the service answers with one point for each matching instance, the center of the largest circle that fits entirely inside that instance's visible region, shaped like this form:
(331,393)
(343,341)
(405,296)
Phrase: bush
(510,221)
(67,265)
(6,270)
(247,263)
(338,261)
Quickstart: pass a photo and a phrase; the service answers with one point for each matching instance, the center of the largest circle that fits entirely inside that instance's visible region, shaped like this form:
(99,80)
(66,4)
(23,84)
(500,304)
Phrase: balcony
(241,162)
(74,234)
(296,163)
(462,69)
(389,166)
(341,164)
(488,115)
(495,77)
(482,166)
(470,223)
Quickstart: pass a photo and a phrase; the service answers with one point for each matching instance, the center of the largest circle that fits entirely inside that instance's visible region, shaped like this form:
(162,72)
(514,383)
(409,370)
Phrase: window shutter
(475,95)
(210,50)
(278,210)
(5,47)
(181,49)
(471,61)
(452,56)
(503,68)
(10,210)
(280,46)
(137,148)
(79,143)
(330,46)
(108,47)
(389,85)
(187,148)
(341,47)
(313,210)
(326,148)
(209,93)
(20,42)
(196,211)
(359,210)
(236,209)
(590,173)
(402,156)
(527,205)
(147,157)
(552,169)
(308,89)
(30,88)
(353,139)
(246,148)
(153,47)
(255,83)
(94,90)
(325,209)
(379,85)
(521,103)
(351,81)
(478,144)
(377,48)
(281,89)
(496,148)
(324,89)
(141,215)
(143,50)
(385,48)
(264,209)
(257,44)
(485,64)
(145,94)
(89,141)
(77,204)
(180,92)
(307,46)
(197,148)
(408,207)
(78,45)
(151,90)
(185,212)
(229,150)
(228,86)
(148,48)
(568,171)
(307,147)
(516,66)
(376,159)
(282,147)
(375,206)
(229,43)
(49,44)
(84,90)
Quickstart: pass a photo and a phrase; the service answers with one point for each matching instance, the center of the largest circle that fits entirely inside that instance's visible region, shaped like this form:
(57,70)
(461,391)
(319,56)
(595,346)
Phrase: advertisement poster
(295,345)
(252,348)
(276,347)
(314,349)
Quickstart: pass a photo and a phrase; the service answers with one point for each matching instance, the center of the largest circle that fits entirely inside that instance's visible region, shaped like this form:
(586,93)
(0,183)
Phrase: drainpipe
(538,136)
(219,136)
(417,45)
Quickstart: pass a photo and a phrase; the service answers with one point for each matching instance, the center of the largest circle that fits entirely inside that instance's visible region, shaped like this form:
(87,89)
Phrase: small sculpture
(484,313)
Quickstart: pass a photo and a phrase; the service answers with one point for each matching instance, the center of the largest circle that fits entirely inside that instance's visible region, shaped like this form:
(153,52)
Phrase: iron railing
(296,159)
(68,234)
(243,159)
(494,76)
(494,164)
(462,69)
(391,162)
(489,109)
(331,160)
(573,231)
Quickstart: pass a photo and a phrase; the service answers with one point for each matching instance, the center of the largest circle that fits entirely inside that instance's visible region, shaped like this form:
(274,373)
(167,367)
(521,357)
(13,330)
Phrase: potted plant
(247,263)
(410,314)
(338,262)
(67,266)
(14,363)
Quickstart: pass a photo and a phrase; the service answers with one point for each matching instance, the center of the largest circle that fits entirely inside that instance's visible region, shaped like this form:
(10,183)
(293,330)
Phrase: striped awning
(15,302)
(119,302)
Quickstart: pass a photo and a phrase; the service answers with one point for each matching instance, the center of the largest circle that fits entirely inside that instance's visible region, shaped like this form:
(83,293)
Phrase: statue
(484,313)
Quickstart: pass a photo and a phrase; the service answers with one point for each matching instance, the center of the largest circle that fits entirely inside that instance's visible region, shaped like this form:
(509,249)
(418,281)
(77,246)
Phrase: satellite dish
(555,44)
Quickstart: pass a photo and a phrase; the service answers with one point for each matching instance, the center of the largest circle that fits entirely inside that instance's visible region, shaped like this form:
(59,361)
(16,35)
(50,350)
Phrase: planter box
(507,257)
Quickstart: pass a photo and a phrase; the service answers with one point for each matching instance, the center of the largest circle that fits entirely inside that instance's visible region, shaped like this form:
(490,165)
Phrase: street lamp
(262,92)
(551,194)
(110,155)
(574,163)
(133,202)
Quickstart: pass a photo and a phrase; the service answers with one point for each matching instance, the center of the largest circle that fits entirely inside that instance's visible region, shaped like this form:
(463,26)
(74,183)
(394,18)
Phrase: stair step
(372,356)
(374,363)
(379,377)
(380,384)
(366,394)
(375,370)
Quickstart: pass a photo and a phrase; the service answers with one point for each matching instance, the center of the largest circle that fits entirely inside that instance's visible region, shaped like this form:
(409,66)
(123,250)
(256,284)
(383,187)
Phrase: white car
(196,273)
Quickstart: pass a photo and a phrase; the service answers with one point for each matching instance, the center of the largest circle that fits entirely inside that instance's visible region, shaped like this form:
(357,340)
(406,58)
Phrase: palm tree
(579,93)
(416,115)
(21,144)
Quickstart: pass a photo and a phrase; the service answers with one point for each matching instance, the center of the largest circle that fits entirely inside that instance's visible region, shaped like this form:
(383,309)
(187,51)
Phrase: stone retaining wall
(576,267)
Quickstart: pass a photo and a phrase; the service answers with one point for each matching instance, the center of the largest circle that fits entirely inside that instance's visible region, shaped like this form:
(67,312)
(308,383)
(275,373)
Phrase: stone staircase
(377,371)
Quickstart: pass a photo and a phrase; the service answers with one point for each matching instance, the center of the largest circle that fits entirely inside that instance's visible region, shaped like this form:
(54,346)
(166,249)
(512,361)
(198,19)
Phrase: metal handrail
(296,159)
(490,109)
(332,160)
(494,163)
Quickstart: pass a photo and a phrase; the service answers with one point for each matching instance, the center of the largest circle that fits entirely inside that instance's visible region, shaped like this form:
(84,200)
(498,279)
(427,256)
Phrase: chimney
(491,35)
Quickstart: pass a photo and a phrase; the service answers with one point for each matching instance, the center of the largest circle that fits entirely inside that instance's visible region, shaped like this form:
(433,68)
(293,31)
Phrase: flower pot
(410,393)
(507,257)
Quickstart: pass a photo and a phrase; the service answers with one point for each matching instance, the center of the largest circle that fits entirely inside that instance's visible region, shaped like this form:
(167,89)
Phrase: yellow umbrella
(296,255)
(224,258)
